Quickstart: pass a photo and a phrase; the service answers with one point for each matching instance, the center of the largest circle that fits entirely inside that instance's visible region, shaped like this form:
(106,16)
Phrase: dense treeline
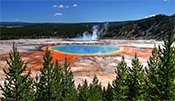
(157,82)
(43,31)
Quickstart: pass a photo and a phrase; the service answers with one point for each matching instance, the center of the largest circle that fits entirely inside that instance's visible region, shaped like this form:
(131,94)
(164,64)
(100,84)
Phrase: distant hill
(155,27)
(13,24)
(47,24)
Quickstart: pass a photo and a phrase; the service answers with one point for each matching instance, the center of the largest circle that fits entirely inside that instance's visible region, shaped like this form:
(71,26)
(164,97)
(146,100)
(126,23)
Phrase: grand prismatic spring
(75,52)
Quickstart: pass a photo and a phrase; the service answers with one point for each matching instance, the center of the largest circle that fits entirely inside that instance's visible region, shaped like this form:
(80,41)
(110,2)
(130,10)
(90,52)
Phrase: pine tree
(68,91)
(136,81)
(57,77)
(17,86)
(119,84)
(48,86)
(152,74)
(166,69)
(95,90)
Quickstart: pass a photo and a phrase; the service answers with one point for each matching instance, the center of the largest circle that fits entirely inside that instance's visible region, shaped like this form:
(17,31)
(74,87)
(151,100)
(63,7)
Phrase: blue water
(85,49)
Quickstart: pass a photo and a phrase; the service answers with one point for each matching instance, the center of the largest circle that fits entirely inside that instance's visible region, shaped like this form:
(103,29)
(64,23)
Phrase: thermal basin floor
(83,66)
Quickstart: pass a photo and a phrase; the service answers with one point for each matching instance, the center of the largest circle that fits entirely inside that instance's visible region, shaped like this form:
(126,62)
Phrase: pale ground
(84,67)
(26,45)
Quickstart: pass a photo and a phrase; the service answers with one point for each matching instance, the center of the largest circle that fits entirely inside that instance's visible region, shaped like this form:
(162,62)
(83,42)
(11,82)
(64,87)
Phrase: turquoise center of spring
(85,49)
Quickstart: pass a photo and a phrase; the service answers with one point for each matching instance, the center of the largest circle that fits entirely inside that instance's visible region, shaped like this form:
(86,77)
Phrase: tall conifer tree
(120,84)
(48,86)
(152,74)
(166,69)
(68,91)
(17,86)
(136,81)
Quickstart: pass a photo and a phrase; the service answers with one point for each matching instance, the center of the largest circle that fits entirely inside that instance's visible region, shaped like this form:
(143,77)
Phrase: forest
(43,31)
(149,28)
(157,82)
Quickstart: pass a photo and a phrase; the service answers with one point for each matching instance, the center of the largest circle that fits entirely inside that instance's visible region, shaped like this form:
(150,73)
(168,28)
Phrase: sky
(77,11)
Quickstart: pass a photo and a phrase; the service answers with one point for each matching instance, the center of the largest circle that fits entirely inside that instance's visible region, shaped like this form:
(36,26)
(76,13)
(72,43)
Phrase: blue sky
(75,11)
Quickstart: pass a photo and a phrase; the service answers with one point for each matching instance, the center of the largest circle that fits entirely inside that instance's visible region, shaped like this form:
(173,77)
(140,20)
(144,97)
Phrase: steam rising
(96,33)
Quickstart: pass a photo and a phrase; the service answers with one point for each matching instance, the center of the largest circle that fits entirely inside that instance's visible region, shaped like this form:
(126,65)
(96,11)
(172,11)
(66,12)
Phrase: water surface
(85,49)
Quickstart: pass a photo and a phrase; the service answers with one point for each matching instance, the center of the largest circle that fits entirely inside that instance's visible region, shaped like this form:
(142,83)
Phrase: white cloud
(60,6)
(67,6)
(57,14)
(75,5)
(167,0)
(54,6)
(152,15)
(16,19)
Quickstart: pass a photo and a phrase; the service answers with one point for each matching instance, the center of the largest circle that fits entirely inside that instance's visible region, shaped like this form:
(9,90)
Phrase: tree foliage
(152,74)
(136,81)
(48,86)
(55,83)
(68,91)
(17,86)
(161,72)
(120,83)
(95,90)
(83,91)
(166,69)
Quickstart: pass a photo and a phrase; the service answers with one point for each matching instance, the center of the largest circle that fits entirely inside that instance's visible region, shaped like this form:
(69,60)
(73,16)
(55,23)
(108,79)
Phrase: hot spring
(85,49)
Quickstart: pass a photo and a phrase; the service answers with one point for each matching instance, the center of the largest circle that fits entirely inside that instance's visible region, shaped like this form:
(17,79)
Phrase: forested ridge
(157,82)
(149,28)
